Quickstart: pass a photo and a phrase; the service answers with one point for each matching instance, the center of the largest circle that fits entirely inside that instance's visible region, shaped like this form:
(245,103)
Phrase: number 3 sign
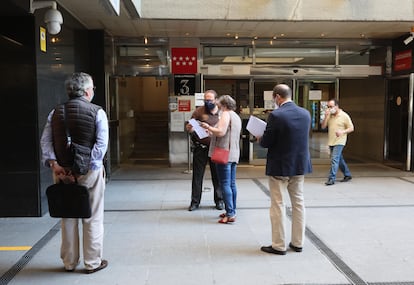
(184,84)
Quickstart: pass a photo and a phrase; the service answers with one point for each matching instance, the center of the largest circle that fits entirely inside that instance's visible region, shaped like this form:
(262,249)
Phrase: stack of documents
(200,131)
(256,126)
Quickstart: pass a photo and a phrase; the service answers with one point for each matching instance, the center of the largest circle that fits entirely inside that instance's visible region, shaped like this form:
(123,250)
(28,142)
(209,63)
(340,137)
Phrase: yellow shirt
(340,122)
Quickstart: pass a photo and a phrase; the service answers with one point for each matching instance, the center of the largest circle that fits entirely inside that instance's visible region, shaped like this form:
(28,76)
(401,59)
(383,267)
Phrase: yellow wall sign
(42,39)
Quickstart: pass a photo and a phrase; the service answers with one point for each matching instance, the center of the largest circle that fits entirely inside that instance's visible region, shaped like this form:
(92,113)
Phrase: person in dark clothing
(209,114)
(288,159)
(87,125)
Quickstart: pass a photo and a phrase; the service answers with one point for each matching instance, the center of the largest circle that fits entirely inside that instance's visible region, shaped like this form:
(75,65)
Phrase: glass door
(313,95)
(261,104)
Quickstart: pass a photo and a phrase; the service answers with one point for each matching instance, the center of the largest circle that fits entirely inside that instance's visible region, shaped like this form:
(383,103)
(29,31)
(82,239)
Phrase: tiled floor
(357,233)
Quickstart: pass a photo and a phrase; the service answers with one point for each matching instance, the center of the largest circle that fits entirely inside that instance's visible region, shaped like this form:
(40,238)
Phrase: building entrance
(254,97)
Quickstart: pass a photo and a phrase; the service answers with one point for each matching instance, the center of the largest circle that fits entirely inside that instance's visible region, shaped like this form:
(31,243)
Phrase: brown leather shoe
(227,220)
(104,264)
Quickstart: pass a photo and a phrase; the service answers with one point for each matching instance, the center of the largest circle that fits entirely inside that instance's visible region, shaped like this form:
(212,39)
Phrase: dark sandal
(104,264)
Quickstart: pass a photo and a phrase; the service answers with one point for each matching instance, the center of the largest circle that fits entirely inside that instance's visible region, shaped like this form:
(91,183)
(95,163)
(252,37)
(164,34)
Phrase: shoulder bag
(221,155)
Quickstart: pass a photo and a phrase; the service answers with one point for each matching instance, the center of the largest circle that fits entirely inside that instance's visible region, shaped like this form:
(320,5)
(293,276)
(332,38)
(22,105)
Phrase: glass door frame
(295,84)
(257,154)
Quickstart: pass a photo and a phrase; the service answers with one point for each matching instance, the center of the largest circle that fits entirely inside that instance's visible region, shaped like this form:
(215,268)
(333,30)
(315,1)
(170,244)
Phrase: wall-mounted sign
(184,105)
(402,60)
(42,39)
(315,94)
(184,60)
(184,84)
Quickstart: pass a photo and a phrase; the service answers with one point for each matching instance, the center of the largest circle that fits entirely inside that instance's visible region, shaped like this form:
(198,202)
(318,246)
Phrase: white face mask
(276,104)
(333,110)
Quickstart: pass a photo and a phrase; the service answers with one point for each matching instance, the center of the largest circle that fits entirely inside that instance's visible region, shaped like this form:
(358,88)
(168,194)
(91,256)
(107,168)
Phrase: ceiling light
(145,40)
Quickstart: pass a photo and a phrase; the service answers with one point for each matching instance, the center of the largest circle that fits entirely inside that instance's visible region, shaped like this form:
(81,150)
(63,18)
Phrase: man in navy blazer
(288,159)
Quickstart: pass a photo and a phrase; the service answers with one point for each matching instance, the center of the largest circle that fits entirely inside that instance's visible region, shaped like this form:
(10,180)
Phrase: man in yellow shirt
(339,125)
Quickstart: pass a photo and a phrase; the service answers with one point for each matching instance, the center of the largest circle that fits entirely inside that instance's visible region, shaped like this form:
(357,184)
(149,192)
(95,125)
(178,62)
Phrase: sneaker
(220,205)
(330,182)
(346,179)
(193,207)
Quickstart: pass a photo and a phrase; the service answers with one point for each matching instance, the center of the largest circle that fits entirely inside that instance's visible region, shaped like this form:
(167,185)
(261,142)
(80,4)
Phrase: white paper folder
(256,126)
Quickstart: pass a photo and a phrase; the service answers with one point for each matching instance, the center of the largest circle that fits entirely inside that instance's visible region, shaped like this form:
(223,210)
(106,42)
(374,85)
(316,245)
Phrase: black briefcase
(68,201)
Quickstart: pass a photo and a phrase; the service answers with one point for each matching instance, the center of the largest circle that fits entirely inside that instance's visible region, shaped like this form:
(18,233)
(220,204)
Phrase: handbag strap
(68,137)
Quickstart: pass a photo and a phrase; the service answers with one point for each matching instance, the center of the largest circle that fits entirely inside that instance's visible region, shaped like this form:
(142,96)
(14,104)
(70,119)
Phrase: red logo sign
(184,60)
(402,60)
(184,105)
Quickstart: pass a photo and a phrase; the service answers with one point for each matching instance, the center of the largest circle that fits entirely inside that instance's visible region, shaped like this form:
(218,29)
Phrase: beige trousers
(92,228)
(292,185)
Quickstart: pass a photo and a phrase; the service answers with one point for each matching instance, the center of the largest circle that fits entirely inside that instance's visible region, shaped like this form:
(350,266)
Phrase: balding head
(283,91)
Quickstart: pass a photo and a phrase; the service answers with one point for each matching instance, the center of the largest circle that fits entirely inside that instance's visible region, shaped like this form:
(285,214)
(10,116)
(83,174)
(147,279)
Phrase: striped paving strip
(333,258)
(21,263)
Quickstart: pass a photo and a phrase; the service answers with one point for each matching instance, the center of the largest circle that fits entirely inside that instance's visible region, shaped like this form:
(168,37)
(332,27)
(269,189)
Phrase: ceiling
(93,15)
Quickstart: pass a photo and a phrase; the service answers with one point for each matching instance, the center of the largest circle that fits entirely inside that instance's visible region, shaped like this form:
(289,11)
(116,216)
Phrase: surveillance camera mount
(53,18)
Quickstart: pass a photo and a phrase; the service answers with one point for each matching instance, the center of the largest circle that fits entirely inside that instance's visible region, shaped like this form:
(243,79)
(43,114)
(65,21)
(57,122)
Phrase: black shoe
(193,207)
(104,264)
(329,182)
(270,249)
(295,248)
(346,179)
(220,205)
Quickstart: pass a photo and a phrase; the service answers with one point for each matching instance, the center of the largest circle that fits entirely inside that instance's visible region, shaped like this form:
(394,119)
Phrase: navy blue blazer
(287,139)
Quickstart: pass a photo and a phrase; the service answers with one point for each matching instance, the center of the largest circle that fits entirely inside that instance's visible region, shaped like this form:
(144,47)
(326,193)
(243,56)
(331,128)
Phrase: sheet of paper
(256,126)
(177,122)
(200,131)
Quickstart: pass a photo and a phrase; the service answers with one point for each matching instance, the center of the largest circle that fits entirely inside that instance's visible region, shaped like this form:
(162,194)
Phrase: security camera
(295,70)
(54,20)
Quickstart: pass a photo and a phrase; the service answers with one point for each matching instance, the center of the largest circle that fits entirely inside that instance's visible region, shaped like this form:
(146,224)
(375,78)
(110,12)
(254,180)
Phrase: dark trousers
(200,159)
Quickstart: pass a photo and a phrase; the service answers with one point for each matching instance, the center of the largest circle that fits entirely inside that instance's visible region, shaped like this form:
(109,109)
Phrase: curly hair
(77,83)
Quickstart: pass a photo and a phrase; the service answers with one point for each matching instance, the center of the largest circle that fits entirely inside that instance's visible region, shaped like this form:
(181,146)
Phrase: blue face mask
(209,105)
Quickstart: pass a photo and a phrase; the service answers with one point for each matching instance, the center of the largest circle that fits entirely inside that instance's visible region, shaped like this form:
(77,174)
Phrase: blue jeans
(337,161)
(227,179)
